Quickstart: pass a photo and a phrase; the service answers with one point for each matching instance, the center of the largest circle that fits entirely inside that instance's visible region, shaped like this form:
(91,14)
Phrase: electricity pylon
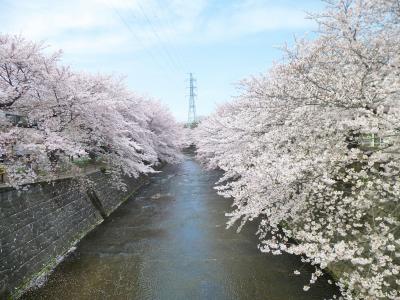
(192,101)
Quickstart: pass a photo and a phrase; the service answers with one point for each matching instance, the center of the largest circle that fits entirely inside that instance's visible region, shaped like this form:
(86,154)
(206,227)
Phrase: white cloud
(251,17)
(125,25)
(44,19)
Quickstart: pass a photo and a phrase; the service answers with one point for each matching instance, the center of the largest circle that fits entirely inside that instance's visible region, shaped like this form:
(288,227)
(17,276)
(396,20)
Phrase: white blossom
(312,149)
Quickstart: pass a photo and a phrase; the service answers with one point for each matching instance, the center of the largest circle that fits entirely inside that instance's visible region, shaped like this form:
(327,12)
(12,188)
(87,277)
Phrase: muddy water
(170,242)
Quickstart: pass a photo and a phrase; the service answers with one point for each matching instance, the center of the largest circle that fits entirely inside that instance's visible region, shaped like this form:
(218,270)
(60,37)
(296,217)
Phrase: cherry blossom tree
(70,115)
(312,149)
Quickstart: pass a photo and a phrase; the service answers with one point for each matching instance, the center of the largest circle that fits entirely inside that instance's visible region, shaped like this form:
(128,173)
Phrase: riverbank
(38,227)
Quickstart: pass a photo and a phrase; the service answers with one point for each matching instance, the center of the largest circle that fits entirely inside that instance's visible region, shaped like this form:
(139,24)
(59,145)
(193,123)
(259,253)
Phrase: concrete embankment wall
(38,226)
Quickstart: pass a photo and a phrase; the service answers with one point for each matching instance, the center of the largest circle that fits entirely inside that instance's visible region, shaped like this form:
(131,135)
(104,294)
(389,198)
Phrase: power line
(137,39)
(168,36)
(157,36)
(153,57)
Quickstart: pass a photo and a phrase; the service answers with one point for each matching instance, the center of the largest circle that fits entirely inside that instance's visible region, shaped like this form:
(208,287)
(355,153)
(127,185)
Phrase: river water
(169,242)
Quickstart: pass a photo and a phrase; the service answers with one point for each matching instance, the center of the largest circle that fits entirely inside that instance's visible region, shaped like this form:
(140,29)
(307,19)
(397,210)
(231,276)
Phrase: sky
(155,44)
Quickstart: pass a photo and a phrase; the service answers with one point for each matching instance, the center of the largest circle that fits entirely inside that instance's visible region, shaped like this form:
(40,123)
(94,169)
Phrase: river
(169,241)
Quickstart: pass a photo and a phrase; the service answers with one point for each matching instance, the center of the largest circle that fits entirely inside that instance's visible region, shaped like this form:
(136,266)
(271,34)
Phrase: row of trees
(311,149)
(51,116)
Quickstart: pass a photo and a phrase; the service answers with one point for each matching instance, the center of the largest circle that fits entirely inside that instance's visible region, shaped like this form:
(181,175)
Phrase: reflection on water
(170,242)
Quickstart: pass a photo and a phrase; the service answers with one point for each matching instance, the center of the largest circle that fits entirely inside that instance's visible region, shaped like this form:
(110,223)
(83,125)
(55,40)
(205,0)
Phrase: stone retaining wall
(38,226)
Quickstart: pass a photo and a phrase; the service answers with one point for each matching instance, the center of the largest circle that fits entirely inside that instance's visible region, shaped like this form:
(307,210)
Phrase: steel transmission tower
(192,103)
